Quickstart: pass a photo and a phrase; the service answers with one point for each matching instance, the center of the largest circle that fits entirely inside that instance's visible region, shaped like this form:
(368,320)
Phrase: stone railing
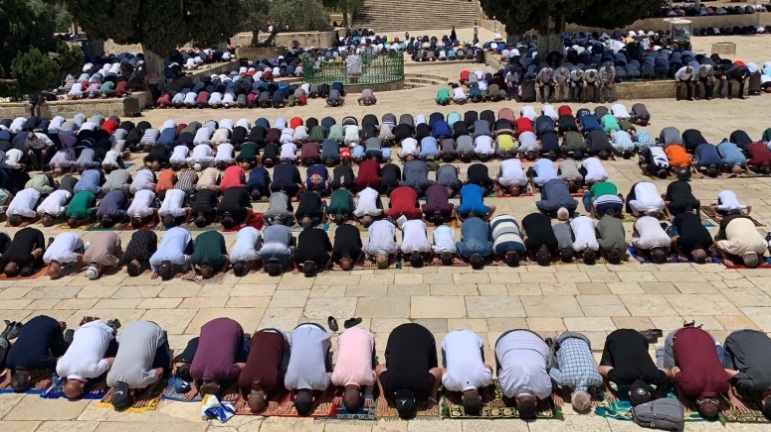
(122,107)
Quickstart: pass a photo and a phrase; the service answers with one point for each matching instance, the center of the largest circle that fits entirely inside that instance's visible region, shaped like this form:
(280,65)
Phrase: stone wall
(121,107)
(306,39)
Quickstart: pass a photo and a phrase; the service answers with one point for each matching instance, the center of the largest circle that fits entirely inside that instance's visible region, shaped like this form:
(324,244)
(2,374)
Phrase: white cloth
(619,111)
(584,233)
(595,172)
(225,153)
(409,147)
(382,239)
(659,156)
(300,134)
(523,357)
(247,245)
(528,142)
(172,248)
(55,203)
(650,234)
(221,136)
(169,124)
(367,204)
(179,154)
(172,203)
(465,366)
(742,238)
(202,154)
(23,204)
(458,93)
(414,235)
(549,111)
(727,201)
(202,136)
(13,158)
(683,75)
(444,240)
(140,205)
(512,173)
(529,112)
(144,179)
(352,136)
(287,136)
(111,159)
(484,144)
(288,152)
(84,358)
(62,250)
(647,199)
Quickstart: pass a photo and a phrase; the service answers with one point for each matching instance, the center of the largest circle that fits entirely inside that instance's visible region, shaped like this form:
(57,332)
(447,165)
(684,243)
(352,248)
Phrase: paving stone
(551,306)
(33,407)
(494,307)
(438,307)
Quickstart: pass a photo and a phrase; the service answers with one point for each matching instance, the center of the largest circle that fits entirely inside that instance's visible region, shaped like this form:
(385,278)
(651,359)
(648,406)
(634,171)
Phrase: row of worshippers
(270,363)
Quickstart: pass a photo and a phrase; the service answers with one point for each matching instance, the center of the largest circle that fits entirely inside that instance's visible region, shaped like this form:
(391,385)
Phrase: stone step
(400,15)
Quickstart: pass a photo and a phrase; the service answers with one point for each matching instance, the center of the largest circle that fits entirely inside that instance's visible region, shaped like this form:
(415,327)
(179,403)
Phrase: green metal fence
(375,68)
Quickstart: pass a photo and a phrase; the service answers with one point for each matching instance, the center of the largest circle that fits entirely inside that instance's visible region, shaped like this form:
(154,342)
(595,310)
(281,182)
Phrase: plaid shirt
(186,181)
(575,366)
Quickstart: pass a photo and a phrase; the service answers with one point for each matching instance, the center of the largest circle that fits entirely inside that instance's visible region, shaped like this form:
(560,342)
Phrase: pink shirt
(354,362)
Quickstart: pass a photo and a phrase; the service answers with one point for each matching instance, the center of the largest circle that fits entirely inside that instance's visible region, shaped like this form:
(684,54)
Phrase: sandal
(332,323)
(352,322)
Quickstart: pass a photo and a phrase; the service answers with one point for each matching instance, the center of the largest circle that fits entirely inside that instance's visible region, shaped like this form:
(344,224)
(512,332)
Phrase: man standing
(143,359)
(522,358)
(354,369)
(309,366)
(411,375)
(465,369)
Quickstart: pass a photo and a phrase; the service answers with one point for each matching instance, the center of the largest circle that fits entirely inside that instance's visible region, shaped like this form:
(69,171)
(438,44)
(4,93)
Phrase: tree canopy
(32,59)
(159,25)
(298,15)
(520,17)
(346,7)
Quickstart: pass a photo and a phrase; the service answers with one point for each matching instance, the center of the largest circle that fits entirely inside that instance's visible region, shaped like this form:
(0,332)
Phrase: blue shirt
(472,199)
(475,238)
(441,129)
(731,154)
(589,123)
(707,155)
(575,366)
(36,347)
(90,180)
(258,177)
(428,147)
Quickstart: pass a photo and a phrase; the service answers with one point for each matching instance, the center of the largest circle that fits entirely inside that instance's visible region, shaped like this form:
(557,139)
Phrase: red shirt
(523,124)
(701,372)
(296,121)
(369,173)
(109,126)
(403,199)
(310,150)
(759,154)
(181,127)
(234,176)
(266,352)
(215,358)
(464,76)
(564,110)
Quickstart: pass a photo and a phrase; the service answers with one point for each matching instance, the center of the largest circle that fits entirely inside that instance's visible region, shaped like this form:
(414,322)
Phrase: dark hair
(200,221)
(136,222)
(767,407)
(573,186)
(477,261)
(446,258)
(207,270)
(339,219)
(590,258)
(168,220)
(27,271)
(709,408)
(566,255)
(352,399)
(416,260)
(663,173)
(309,268)
(448,157)
(72,222)
(626,154)
(466,157)
(330,161)
(437,218)
(512,259)
(614,256)
(108,222)
(273,268)
(472,403)
(20,381)
(221,165)
(303,402)
(227,221)
(552,156)
(256,195)
(239,268)
(132,269)
(712,171)
(527,409)
(604,155)
(766,169)
(543,257)
(210,387)
(658,255)
(269,162)
(165,270)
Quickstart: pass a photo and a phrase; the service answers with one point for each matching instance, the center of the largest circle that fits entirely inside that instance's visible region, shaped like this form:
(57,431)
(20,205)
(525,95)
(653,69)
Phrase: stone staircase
(417,80)
(409,15)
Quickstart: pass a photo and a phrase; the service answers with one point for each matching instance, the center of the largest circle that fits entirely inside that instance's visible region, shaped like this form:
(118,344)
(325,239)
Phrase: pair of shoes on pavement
(12,330)
(351,322)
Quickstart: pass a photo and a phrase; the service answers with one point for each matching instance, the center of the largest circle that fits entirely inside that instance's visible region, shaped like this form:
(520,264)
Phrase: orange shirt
(678,157)
(166,180)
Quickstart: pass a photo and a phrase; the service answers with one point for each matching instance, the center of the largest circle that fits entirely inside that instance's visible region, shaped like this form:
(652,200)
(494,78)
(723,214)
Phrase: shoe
(549,342)
(332,323)
(114,324)
(352,322)
(690,324)
(69,335)
(12,330)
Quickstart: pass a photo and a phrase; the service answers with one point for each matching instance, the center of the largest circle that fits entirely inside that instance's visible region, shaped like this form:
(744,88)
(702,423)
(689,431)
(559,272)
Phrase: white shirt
(84,358)
(179,154)
(728,201)
(288,151)
(300,134)
(23,203)
(352,135)
(465,367)
(287,136)
(619,111)
(111,158)
(63,248)
(548,110)
(512,173)
(190,97)
(444,239)
(244,123)
(420,118)
(529,112)
(224,153)
(215,98)
(172,203)
(367,204)
(55,124)
(483,144)
(647,198)
(585,236)
(683,75)
(202,153)
(381,238)
(247,246)
(144,178)
(458,94)
(55,203)
(220,136)
(169,124)
(659,156)
(409,146)
(595,172)
(528,142)
(650,234)
(12,158)
(414,236)
(17,125)
(140,205)
(523,356)
(172,248)
(202,136)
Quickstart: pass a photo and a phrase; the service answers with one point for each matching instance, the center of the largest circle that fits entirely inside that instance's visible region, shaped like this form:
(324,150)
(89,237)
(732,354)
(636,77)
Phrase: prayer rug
(39,381)
(497,408)
(765,263)
(708,212)
(366,412)
(255,221)
(390,413)
(170,393)
(620,409)
(325,407)
(54,391)
(733,415)
(674,258)
(143,404)
(324,226)
(43,270)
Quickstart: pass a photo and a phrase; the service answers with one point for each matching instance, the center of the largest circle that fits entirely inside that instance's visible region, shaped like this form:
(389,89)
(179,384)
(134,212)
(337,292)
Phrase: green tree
(254,15)
(346,7)
(285,14)
(548,17)
(35,71)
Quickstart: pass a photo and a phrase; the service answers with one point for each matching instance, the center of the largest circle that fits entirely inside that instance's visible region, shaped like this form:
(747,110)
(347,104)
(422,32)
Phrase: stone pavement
(594,300)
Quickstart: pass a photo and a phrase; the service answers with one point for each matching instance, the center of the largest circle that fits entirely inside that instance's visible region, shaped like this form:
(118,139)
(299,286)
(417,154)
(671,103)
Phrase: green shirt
(248,152)
(81,205)
(611,232)
(604,188)
(609,123)
(209,248)
(107,86)
(443,94)
(341,202)
(41,183)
